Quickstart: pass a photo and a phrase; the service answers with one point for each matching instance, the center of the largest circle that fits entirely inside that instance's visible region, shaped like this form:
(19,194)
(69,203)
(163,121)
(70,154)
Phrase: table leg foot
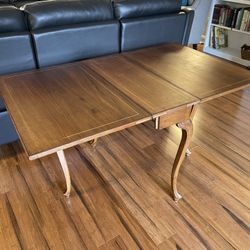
(187,131)
(177,196)
(188,152)
(65,169)
(93,142)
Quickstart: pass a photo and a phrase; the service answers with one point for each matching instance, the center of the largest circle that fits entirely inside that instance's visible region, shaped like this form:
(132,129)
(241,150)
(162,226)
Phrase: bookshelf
(235,37)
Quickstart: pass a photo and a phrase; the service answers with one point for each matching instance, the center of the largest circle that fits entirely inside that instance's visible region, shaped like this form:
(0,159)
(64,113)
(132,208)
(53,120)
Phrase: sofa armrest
(186,9)
(189,21)
(195,4)
(201,9)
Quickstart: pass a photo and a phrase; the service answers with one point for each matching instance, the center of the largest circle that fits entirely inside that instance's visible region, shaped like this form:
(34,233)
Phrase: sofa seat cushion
(11,19)
(2,106)
(7,131)
(143,8)
(48,14)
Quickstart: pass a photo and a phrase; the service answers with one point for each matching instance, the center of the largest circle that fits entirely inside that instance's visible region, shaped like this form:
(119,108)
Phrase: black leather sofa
(37,34)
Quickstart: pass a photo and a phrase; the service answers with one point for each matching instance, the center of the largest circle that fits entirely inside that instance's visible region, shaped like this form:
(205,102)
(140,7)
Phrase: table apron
(174,117)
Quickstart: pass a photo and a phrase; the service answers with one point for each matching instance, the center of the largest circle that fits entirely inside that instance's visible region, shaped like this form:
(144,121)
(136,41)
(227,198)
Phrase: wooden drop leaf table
(60,107)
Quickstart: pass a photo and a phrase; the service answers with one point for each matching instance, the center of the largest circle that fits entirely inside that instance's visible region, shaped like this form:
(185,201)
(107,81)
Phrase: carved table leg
(187,131)
(65,169)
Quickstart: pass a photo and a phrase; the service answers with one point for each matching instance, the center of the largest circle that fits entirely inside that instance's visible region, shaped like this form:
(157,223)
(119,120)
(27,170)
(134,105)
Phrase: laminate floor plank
(239,100)
(235,160)
(241,135)
(8,236)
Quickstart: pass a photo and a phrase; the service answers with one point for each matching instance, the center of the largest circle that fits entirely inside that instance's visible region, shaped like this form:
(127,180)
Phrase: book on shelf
(235,18)
(218,37)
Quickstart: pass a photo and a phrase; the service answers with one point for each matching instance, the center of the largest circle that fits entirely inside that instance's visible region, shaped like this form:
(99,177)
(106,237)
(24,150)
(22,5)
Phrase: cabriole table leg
(65,169)
(187,131)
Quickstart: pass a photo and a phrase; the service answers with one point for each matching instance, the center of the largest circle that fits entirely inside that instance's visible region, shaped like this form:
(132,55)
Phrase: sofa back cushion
(11,20)
(4,2)
(150,22)
(67,31)
(142,8)
(144,32)
(51,14)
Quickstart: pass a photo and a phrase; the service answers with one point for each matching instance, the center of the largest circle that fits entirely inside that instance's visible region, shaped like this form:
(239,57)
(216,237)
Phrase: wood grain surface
(63,106)
(201,75)
(121,189)
(151,92)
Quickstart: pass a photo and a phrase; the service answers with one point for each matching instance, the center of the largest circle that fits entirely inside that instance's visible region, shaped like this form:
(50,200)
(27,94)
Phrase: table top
(60,107)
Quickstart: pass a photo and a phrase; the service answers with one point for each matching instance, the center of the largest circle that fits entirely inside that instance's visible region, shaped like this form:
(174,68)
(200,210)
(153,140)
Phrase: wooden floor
(121,189)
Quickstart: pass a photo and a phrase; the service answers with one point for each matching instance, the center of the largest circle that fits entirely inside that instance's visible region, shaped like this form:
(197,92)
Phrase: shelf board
(231,29)
(221,26)
(246,2)
(230,54)
(241,31)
